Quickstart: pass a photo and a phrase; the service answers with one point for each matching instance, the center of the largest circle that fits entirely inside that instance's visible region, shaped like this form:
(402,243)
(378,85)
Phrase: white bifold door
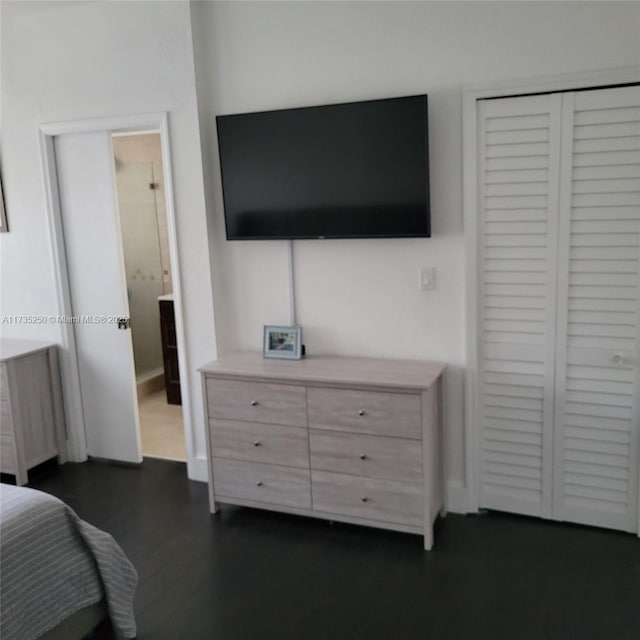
(559,296)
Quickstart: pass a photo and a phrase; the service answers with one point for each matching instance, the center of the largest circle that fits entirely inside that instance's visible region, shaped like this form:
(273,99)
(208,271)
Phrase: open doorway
(141,204)
(97,363)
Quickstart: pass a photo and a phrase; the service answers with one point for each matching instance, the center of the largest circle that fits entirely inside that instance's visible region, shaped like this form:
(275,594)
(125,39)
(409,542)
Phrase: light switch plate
(427,279)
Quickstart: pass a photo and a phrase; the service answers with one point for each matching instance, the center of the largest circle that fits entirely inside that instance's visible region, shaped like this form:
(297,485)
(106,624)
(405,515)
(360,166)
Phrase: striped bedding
(52,564)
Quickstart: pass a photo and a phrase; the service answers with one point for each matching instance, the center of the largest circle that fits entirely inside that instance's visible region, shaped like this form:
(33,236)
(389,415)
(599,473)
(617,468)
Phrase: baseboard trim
(197,469)
(456,498)
(150,383)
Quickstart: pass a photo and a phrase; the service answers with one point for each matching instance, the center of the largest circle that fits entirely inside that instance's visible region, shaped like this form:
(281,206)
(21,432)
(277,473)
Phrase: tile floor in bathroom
(161,427)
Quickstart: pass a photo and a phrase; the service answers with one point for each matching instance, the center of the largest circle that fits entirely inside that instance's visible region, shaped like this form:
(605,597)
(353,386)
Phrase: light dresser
(355,440)
(32,427)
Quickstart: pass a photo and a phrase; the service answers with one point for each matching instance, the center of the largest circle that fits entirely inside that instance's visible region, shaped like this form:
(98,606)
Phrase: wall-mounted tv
(352,170)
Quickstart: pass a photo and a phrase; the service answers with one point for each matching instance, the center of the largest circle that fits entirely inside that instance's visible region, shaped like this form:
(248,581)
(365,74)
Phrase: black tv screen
(353,170)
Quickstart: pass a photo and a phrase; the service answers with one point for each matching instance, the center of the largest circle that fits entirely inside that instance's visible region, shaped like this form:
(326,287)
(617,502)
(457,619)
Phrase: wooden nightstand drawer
(383,500)
(4,383)
(394,414)
(257,442)
(7,455)
(271,484)
(6,424)
(365,455)
(31,406)
(256,402)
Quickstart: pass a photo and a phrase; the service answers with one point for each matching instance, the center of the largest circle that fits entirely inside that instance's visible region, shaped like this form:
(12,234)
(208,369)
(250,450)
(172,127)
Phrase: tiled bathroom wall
(143,221)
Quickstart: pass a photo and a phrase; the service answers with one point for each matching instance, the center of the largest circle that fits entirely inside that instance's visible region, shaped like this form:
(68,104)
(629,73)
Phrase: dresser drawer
(365,455)
(7,455)
(6,424)
(256,402)
(4,382)
(271,484)
(393,414)
(257,442)
(383,500)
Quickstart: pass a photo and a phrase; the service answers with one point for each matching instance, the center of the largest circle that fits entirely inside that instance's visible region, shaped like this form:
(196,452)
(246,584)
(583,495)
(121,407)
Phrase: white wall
(66,60)
(352,294)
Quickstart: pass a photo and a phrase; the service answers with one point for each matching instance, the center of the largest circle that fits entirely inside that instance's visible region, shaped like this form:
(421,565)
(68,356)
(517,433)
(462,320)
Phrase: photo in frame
(282,342)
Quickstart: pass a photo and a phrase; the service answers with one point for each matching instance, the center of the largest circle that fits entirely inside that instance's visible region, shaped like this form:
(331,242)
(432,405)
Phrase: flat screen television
(352,170)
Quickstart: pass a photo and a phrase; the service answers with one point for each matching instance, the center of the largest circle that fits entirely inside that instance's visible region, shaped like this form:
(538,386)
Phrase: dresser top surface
(14,348)
(412,374)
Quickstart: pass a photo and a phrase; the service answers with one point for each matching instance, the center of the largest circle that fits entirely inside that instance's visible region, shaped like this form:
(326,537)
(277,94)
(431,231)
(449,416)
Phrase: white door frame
(76,434)
(470,186)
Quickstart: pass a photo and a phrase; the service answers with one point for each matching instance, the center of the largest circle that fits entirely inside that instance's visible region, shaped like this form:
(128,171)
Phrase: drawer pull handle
(361,412)
(259,483)
(365,499)
(257,443)
(363,456)
(254,403)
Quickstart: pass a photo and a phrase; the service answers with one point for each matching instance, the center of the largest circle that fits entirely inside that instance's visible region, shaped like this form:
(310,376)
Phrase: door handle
(124,323)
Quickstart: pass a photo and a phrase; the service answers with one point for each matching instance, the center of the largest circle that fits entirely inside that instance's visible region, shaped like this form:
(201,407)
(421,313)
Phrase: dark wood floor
(252,575)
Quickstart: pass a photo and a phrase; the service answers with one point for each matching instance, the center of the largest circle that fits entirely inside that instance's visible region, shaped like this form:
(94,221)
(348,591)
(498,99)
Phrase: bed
(60,576)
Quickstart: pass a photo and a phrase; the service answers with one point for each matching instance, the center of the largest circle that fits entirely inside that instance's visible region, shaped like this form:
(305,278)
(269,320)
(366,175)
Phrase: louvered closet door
(518,184)
(597,376)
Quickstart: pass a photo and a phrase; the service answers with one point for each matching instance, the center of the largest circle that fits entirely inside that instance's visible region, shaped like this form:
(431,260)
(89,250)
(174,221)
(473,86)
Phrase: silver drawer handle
(257,443)
(365,499)
(617,358)
(361,412)
(363,456)
(254,403)
(259,483)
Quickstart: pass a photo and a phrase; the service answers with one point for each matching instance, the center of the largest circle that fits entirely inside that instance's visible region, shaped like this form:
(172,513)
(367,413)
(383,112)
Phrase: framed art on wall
(282,342)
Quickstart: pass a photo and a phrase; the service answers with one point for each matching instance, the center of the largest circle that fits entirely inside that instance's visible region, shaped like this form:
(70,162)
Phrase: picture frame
(282,342)
(3,214)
